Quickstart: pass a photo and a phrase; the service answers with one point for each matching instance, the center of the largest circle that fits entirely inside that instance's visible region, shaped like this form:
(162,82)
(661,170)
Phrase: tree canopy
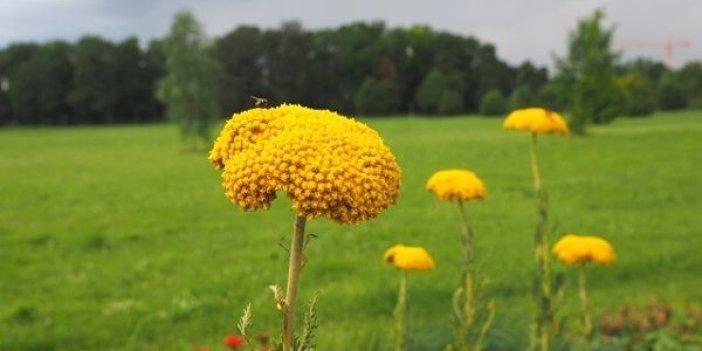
(587,74)
(358,69)
(190,89)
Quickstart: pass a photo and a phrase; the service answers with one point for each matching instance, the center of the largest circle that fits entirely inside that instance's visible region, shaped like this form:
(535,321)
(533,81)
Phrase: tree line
(358,69)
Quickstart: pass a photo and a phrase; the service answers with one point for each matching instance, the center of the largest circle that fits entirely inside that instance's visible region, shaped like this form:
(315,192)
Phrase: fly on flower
(259,101)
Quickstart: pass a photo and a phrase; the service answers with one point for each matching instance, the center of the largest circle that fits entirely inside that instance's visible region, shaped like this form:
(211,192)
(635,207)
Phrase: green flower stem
(535,164)
(468,273)
(294,268)
(400,311)
(542,258)
(587,323)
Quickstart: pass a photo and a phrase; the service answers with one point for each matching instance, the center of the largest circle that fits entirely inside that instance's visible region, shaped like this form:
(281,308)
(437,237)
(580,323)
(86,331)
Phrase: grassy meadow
(114,238)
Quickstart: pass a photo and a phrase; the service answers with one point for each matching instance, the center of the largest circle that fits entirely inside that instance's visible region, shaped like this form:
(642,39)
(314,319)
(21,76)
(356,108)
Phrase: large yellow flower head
(329,165)
(456,184)
(409,258)
(574,249)
(536,120)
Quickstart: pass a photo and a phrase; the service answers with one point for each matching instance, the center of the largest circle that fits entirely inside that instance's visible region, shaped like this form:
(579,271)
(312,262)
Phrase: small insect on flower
(259,101)
(234,341)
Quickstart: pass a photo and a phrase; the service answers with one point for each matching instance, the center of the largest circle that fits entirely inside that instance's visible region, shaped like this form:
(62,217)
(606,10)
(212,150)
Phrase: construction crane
(668,46)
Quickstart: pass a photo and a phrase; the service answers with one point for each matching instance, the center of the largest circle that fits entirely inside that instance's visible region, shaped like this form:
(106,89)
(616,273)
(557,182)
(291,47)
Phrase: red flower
(234,341)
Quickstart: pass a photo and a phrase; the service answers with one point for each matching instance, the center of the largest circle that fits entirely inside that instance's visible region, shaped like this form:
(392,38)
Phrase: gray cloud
(520,29)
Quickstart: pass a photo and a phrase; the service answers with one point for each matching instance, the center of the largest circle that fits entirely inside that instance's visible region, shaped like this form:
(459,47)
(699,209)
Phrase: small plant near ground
(655,326)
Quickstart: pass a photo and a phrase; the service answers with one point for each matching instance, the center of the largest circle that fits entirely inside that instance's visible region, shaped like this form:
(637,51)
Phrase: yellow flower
(573,249)
(536,120)
(409,258)
(456,184)
(329,165)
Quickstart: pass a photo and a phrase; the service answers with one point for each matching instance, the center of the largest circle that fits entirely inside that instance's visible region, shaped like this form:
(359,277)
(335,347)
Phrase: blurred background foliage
(360,68)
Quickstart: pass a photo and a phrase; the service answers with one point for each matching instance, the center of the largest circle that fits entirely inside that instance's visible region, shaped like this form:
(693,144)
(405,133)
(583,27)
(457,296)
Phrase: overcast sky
(520,29)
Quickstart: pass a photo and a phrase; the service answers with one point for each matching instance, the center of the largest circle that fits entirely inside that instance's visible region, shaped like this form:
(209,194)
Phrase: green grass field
(113,238)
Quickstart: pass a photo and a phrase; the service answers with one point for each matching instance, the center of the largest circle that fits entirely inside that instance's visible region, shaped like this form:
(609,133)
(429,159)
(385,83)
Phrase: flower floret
(409,258)
(456,184)
(330,166)
(536,120)
(574,249)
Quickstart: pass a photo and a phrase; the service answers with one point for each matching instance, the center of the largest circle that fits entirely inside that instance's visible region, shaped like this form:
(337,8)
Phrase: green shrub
(550,97)
(656,326)
(451,103)
(493,103)
(377,97)
(638,93)
(671,96)
(430,92)
(521,97)
(695,103)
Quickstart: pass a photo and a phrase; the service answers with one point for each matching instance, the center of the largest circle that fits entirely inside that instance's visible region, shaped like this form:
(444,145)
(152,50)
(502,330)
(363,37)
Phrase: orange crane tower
(668,46)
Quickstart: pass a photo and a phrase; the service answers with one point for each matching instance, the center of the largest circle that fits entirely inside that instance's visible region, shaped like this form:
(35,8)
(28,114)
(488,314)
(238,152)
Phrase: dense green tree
(531,76)
(22,93)
(97,81)
(349,53)
(551,96)
(190,87)
(289,65)
(92,81)
(586,74)
(38,83)
(399,61)
(5,107)
(377,97)
(652,70)
(451,103)
(326,68)
(12,59)
(241,55)
(94,97)
(430,91)
(493,103)
(522,96)
(493,73)
(55,66)
(457,58)
(134,80)
(639,94)
(529,81)
(153,65)
(671,93)
(690,79)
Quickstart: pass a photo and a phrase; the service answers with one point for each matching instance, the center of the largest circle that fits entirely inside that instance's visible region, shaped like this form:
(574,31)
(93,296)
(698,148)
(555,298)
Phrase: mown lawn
(113,238)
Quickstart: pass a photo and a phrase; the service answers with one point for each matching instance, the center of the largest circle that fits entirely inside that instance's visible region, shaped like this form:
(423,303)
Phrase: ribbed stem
(400,311)
(294,268)
(468,279)
(542,257)
(535,164)
(587,323)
